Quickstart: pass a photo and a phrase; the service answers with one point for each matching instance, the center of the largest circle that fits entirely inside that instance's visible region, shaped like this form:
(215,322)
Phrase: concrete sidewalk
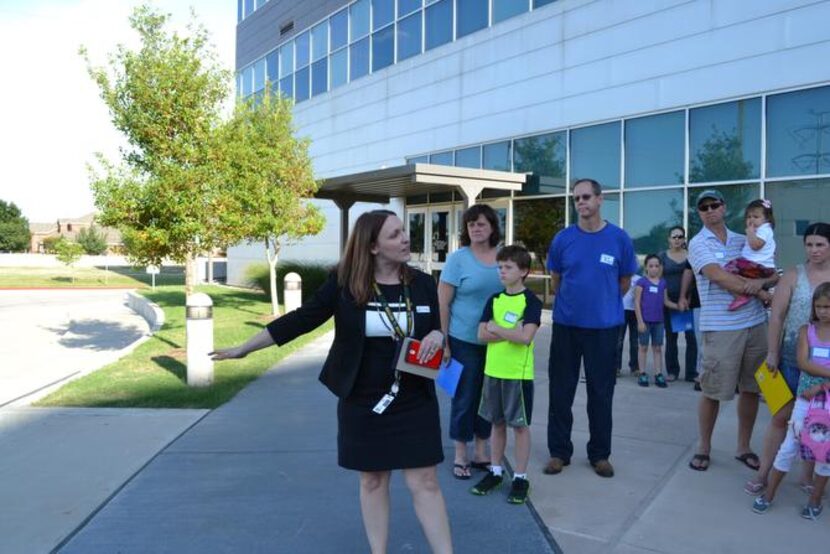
(259,475)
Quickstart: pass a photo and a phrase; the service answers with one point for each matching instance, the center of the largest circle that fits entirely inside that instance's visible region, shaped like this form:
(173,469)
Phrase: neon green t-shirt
(505,359)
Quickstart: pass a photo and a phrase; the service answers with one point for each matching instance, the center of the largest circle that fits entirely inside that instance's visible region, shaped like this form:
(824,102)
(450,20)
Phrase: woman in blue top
(469,278)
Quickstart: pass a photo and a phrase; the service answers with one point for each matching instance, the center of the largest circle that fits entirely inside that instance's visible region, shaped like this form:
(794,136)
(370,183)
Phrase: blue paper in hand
(448,376)
(682,321)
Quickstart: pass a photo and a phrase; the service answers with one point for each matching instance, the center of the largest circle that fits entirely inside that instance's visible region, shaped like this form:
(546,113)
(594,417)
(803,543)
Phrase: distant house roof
(43,228)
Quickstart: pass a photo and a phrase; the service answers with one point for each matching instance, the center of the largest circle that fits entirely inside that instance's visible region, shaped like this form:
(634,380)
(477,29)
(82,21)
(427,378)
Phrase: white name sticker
(719,255)
(820,352)
(510,317)
(422,309)
(653,289)
(606,259)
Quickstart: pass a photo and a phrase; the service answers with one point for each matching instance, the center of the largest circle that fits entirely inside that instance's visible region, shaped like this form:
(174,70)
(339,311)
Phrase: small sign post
(153,270)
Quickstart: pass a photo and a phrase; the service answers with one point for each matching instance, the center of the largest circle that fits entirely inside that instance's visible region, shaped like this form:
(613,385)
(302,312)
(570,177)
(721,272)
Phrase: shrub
(50,244)
(93,241)
(313,275)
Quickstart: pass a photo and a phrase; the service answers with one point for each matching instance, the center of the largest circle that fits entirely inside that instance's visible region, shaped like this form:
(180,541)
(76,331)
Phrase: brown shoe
(603,468)
(555,466)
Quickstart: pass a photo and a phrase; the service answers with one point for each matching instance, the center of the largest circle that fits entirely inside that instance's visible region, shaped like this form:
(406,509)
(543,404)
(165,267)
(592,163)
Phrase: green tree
(68,253)
(93,240)
(50,244)
(164,193)
(14,228)
(272,177)
(721,158)
(535,224)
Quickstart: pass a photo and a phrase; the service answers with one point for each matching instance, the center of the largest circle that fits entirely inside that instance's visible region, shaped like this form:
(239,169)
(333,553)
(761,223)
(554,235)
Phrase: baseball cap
(711,194)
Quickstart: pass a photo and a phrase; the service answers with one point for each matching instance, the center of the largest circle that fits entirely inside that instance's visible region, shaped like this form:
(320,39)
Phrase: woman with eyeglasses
(674,262)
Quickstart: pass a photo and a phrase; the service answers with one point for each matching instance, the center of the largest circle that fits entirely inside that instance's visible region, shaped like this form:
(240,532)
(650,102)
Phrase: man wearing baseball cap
(734,342)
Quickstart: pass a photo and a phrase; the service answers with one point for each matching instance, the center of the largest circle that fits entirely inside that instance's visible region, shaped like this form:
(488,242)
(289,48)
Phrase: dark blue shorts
(654,334)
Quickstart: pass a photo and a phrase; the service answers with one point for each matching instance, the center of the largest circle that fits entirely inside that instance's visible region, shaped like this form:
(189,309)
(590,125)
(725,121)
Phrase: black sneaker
(488,483)
(518,491)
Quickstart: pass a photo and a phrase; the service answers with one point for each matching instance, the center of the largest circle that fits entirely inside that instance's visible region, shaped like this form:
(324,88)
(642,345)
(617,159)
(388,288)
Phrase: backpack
(815,434)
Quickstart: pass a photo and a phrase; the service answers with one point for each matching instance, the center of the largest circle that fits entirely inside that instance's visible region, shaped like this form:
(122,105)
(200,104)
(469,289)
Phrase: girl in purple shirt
(650,296)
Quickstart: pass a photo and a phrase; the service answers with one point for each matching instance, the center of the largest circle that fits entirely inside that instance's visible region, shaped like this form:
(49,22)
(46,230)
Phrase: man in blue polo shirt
(591,264)
(734,342)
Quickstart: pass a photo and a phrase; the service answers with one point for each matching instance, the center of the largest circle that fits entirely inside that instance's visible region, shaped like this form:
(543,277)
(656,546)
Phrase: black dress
(407,434)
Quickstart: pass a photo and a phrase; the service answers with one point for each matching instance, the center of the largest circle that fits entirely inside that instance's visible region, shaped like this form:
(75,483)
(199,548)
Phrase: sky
(52,119)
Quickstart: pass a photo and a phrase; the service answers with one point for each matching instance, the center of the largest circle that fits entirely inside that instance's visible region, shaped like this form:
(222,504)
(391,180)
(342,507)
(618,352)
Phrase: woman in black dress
(376,299)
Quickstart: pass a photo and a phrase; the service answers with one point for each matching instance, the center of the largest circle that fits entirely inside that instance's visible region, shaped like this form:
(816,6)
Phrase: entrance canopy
(381,185)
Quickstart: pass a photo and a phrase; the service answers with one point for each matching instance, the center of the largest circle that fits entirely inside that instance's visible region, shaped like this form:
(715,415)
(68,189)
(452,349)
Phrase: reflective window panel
(383,48)
(504,9)
(468,157)
(471,16)
(359,65)
(383,13)
(725,141)
(545,157)
(319,76)
(610,209)
(496,156)
(441,158)
(247,80)
(287,86)
(286,59)
(272,66)
(259,75)
(301,50)
(649,215)
(736,196)
(301,84)
(438,24)
(798,133)
(540,3)
(796,204)
(359,12)
(409,36)
(418,160)
(417,236)
(339,23)
(407,6)
(535,223)
(319,41)
(654,150)
(339,68)
(440,234)
(595,154)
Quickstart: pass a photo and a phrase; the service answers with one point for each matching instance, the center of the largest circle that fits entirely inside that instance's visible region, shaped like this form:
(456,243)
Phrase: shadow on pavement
(96,334)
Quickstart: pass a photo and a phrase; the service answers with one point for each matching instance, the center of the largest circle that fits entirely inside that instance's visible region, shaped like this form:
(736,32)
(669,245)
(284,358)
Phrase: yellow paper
(774,388)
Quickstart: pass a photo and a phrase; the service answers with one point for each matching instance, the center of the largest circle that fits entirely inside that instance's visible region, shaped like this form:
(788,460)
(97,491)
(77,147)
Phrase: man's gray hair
(595,186)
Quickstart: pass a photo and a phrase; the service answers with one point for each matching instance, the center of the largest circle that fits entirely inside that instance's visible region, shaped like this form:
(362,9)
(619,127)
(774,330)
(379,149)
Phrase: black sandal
(461,471)
(702,462)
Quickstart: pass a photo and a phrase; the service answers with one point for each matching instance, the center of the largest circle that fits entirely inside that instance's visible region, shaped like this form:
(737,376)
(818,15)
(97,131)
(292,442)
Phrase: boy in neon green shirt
(508,324)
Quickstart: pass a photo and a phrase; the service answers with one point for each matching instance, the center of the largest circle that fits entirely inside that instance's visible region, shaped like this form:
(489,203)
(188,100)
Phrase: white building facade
(656,99)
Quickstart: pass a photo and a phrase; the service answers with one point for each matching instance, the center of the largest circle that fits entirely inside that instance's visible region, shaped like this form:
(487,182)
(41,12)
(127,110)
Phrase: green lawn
(154,375)
(84,277)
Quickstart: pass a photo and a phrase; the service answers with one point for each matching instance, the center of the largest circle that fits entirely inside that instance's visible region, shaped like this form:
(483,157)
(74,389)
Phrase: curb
(146,309)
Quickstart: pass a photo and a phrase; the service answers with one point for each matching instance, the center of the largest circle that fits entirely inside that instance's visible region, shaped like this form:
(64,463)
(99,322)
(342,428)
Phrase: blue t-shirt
(474,284)
(590,266)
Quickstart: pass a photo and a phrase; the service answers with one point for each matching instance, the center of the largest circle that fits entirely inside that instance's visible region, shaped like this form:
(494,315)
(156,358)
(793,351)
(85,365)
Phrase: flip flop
(702,462)
(483,466)
(748,457)
(461,471)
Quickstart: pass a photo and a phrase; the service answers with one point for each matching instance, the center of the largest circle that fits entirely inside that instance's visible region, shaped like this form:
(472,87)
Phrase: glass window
(286,59)
(287,86)
(471,15)
(319,41)
(301,50)
(418,160)
(301,85)
(272,66)
(535,222)
(504,9)
(407,6)
(798,133)
(540,3)
(725,142)
(545,157)
(249,7)
(468,157)
(441,158)
(260,3)
(794,203)
(438,24)
(275,88)
(654,150)
(240,11)
(595,154)
(239,84)
(649,215)
(736,196)
(339,68)
(440,232)
(359,59)
(339,29)
(360,19)
(409,36)
(417,236)
(610,208)
(383,13)
(247,80)
(319,76)
(496,156)
(383,48)
(259,74)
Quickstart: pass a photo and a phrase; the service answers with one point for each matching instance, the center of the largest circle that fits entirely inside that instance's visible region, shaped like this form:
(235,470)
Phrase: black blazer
(343,362)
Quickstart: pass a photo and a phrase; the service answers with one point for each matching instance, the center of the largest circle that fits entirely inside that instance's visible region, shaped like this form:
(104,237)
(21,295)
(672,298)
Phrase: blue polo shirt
(591,266)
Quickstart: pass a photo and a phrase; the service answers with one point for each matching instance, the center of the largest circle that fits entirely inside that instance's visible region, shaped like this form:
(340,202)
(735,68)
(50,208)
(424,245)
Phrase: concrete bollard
(293,292)
(199,340)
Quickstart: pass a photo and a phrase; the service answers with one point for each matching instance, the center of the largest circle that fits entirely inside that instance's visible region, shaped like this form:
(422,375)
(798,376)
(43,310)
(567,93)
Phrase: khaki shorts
(506,401)
(730,359)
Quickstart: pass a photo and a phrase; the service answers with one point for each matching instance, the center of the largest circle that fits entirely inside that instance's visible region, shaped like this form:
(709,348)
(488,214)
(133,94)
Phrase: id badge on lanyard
(398,335)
